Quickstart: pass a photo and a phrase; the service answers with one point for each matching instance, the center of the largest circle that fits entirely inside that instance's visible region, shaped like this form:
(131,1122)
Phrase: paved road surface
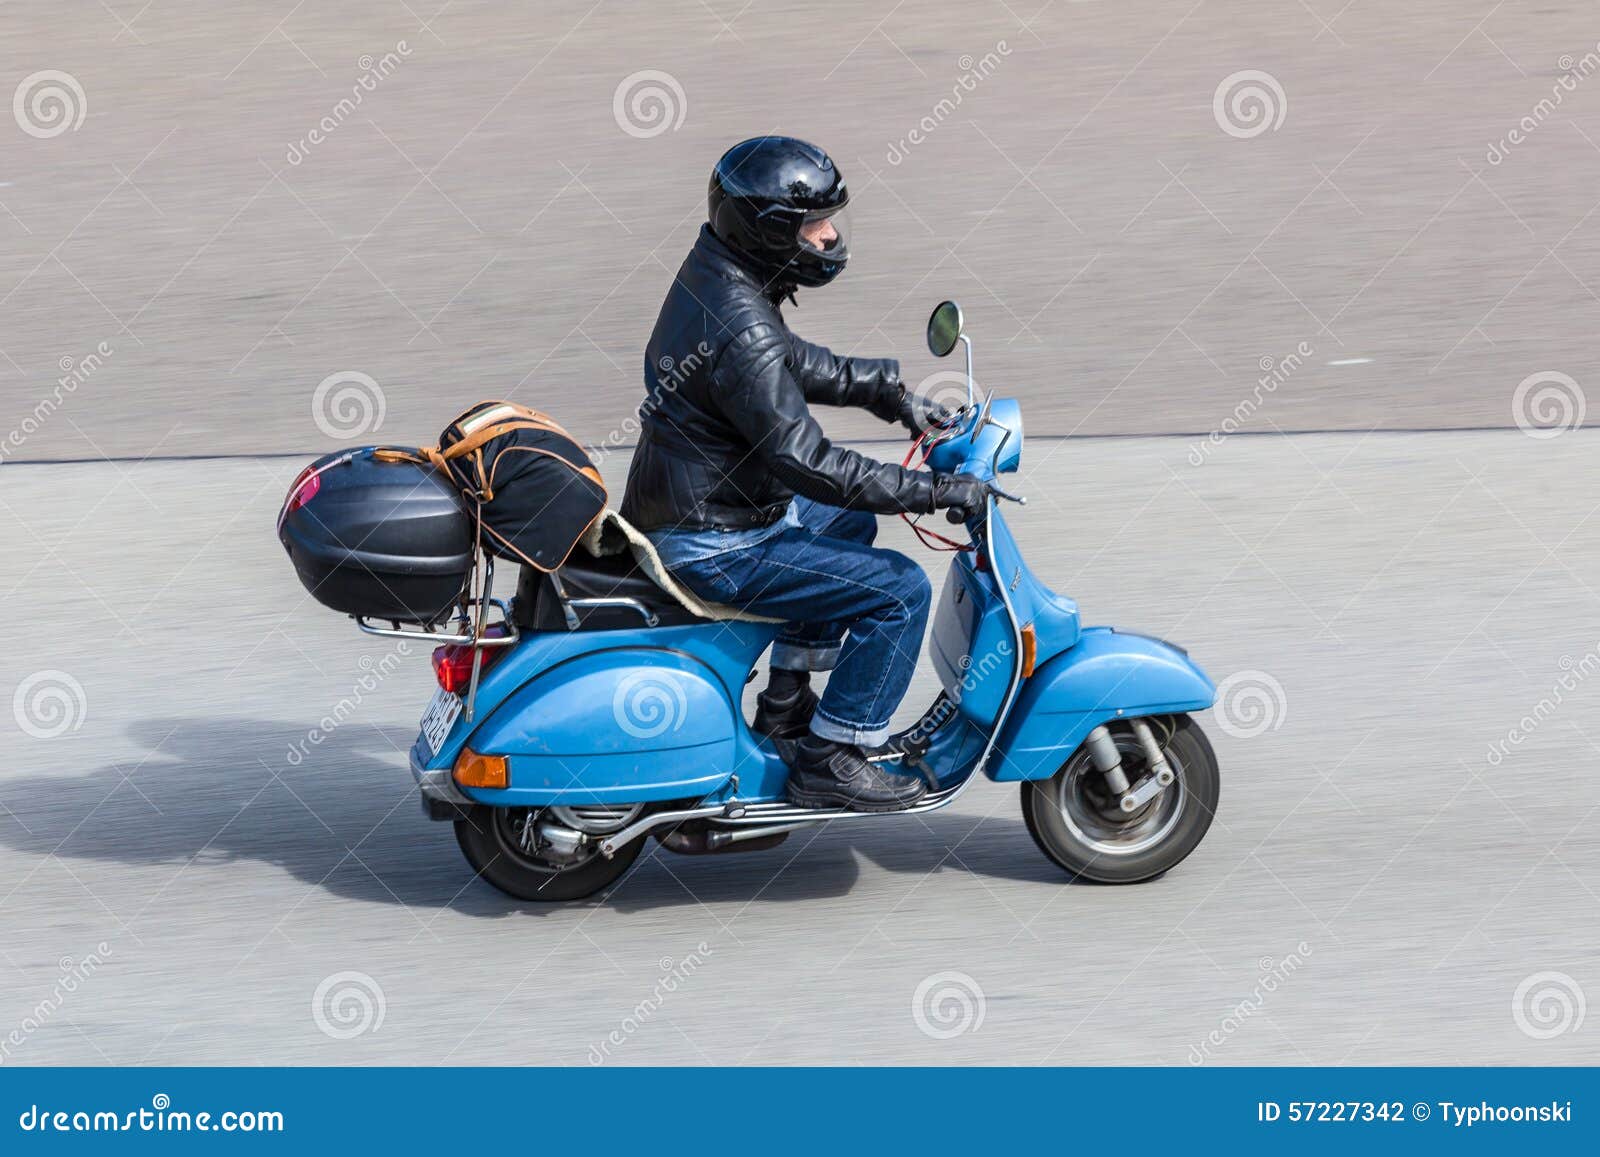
(1414,596)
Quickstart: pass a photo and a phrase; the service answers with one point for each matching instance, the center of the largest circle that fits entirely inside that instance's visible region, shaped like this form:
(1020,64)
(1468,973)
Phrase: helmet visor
(827,234)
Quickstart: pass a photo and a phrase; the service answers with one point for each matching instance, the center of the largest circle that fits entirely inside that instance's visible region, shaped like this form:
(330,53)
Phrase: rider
(750,504)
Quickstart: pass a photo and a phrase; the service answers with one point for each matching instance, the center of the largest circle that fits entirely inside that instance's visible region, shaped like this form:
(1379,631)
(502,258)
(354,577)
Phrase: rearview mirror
(944,328)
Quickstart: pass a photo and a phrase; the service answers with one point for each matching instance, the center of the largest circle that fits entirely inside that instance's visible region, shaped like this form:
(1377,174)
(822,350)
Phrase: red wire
(928,537)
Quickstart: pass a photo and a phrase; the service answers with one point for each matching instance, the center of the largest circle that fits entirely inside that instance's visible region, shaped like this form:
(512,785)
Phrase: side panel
(706,663)
(1106,676)
(622,724)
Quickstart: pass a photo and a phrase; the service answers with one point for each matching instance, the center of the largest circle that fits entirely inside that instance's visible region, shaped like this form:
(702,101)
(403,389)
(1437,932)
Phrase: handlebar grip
(955,515)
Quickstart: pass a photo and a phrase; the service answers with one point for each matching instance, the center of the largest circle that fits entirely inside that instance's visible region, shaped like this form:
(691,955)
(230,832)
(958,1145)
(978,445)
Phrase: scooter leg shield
(1106,675)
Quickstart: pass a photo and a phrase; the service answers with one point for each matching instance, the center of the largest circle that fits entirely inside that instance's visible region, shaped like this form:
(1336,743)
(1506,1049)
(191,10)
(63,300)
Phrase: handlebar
(967,421)
(957,515)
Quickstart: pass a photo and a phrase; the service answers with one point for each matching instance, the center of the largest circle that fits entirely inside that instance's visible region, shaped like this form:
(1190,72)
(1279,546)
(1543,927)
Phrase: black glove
(919,414)
(964,495)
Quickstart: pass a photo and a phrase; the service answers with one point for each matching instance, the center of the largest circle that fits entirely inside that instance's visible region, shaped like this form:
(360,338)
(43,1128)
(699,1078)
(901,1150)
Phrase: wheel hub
(531,835)
(1095,816)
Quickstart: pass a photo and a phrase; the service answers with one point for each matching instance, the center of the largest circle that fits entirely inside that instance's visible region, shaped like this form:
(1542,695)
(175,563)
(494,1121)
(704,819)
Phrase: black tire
(1069,819)
(488,840)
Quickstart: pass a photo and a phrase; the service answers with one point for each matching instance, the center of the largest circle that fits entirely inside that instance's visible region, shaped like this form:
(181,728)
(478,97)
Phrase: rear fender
(1107,675)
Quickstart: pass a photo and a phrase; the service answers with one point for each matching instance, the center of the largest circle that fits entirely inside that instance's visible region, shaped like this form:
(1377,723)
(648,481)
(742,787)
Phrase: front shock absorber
(1107,759)
(1160,777)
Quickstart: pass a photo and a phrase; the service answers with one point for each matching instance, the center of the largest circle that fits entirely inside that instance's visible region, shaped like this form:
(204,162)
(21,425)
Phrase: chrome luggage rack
(465,636)
(471,619)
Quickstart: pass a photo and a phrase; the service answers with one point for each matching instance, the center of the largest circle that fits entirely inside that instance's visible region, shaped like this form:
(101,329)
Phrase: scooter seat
(586,576)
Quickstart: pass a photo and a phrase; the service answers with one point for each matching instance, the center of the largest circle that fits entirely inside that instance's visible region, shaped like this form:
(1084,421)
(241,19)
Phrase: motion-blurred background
(1328,270)
(481,223)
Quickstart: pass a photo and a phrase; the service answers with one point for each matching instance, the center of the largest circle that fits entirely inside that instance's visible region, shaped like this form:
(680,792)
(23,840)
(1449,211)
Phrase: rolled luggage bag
(380,537)
(533,488)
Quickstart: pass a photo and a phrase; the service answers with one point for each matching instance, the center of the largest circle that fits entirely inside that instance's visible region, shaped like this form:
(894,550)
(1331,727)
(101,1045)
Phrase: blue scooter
(600,713)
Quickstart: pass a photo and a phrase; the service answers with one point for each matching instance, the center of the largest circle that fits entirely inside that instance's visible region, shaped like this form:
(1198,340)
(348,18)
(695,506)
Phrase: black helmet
(764,191)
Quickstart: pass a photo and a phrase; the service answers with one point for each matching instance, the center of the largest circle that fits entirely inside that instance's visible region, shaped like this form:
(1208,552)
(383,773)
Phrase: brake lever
(956,515)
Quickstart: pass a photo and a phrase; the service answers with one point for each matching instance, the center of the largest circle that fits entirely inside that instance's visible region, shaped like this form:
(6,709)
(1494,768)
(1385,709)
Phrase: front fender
(1106,675)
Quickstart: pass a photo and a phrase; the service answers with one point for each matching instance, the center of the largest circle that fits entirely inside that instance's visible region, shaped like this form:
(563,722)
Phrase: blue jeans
(826,578)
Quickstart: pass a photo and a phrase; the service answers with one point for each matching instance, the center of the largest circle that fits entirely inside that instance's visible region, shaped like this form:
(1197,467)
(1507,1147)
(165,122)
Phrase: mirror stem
(967,342)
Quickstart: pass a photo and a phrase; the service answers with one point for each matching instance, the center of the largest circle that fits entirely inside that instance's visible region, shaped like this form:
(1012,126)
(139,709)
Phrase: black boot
(784,709)
(838,775)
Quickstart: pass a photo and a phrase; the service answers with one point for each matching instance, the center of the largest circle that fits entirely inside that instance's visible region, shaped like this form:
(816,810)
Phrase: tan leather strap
(477,438)
(588,472)
(520,418)
(422,456)
(470,446)
(519,408)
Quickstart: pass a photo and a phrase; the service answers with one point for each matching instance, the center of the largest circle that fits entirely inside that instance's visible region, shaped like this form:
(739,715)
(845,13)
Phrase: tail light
(452,663)
(301,491)
(304,489)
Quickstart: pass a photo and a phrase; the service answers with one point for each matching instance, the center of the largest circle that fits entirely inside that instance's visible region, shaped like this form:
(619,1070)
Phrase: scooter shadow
(343,815)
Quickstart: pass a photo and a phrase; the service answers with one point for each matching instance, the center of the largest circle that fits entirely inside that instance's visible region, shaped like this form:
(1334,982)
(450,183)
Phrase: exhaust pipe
(716,840)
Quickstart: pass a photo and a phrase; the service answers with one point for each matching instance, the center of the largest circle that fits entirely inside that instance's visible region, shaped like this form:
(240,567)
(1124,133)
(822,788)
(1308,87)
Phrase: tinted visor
(827,234)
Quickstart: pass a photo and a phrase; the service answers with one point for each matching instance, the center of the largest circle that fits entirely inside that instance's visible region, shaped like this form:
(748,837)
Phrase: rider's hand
(963,494)
(919,414)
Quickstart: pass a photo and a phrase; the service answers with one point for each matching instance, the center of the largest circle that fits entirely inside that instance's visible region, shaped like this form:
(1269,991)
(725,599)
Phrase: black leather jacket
(726,439)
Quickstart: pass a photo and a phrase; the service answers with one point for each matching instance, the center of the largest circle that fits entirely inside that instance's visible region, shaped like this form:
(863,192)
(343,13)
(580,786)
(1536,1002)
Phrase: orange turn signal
(1030,647)
(474,770)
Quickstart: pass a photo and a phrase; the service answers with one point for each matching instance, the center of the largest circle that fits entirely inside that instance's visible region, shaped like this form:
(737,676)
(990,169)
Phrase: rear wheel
(504,847)
(1076,820)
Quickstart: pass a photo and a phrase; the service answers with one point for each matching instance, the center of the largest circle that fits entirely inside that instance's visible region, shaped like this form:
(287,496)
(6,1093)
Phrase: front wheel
(503,846)
(1077,822)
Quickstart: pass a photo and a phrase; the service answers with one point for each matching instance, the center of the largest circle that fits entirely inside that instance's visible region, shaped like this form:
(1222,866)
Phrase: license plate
(439,718)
